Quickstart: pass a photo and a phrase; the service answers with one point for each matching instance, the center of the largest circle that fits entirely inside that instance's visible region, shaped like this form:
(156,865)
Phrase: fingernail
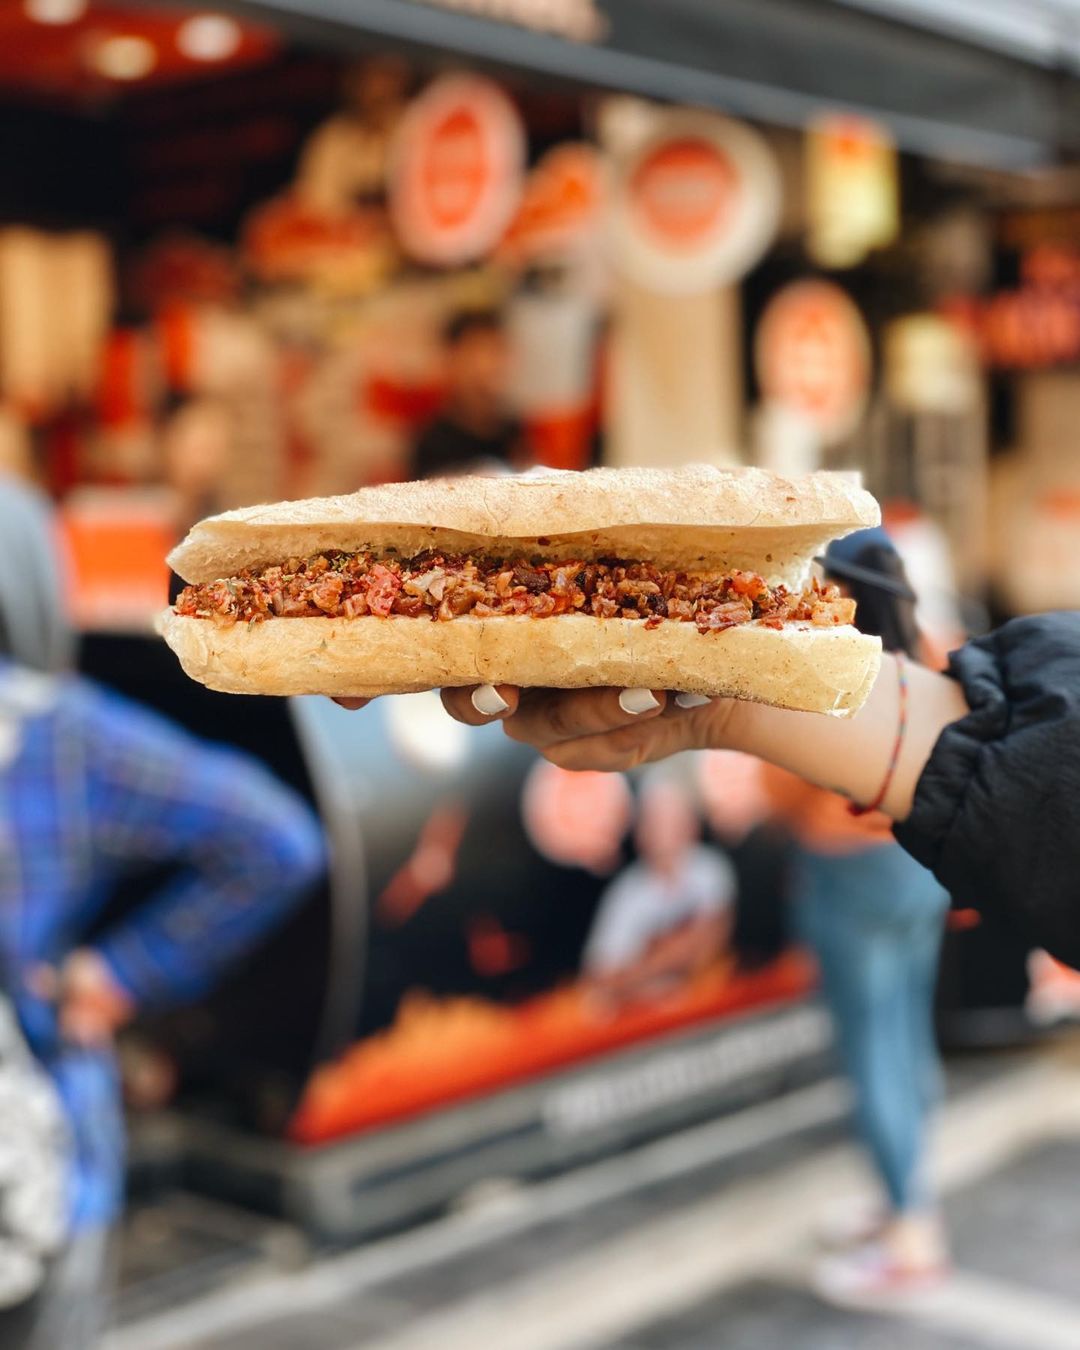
(488,702)
(691,700)
(638,701)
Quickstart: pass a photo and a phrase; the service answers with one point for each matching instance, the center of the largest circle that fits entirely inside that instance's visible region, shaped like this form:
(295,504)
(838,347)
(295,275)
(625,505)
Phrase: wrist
(730,724)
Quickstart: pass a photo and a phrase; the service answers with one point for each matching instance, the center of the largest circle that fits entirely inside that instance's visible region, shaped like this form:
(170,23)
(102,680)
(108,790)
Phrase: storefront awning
(779,61)
(1046,32)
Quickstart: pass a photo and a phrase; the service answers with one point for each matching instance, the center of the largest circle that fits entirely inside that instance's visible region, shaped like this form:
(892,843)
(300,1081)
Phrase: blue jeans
(874,920)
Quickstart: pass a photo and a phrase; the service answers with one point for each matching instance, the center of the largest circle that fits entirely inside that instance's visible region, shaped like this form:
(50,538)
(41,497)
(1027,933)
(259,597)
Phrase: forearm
(209,916)
(595,729)
(851,755)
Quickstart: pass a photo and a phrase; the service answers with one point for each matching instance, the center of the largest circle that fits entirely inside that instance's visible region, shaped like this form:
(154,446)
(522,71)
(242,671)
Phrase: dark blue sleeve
(997,809)
(248,848)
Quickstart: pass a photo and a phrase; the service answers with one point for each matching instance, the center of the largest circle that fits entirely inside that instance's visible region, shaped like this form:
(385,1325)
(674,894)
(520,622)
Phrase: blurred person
(874,919)
(196,443)
(473,432)
(16,448)
(924,550)
(94,788)
(345,160)
(738,813)
(667,916)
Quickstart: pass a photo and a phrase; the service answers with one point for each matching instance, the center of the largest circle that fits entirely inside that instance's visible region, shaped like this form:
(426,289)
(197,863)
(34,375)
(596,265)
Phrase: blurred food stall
(235,252)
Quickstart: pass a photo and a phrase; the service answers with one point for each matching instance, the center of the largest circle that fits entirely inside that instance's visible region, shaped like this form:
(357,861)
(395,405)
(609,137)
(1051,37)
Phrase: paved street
(701,1240)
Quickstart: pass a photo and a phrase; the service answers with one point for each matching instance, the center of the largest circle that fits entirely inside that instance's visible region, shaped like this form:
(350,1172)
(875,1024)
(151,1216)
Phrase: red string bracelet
(894,758)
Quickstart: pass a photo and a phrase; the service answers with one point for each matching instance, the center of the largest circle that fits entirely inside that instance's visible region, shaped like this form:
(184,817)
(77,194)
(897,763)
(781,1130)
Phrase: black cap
(850,558)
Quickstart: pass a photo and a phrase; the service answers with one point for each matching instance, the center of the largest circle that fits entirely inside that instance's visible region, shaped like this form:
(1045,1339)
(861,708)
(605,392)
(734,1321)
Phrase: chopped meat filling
(444,586)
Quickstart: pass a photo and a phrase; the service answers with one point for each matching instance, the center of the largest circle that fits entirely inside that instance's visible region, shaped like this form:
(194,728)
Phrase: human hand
(605,729)
(91,1005)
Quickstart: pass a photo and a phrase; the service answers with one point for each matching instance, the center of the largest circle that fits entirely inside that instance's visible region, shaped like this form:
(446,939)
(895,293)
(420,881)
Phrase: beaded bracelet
(894,758)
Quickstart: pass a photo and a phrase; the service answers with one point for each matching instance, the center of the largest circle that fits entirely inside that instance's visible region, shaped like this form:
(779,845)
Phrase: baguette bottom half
(826,670)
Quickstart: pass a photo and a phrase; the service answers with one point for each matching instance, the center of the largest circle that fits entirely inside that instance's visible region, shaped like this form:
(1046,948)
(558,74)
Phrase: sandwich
(696,579)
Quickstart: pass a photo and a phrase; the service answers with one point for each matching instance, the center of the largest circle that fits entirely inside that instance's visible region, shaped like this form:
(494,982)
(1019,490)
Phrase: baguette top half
(695,517)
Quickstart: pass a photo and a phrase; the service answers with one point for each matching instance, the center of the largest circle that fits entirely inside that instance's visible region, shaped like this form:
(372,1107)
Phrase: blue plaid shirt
(93,786)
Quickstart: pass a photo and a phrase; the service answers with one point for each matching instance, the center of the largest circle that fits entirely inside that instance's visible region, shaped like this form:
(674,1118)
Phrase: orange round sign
(456,170)
(697,205)
(812,356)
(685,191)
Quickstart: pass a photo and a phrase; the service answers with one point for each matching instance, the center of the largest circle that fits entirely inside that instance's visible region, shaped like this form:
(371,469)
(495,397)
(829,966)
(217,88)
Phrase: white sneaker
(870,1277)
